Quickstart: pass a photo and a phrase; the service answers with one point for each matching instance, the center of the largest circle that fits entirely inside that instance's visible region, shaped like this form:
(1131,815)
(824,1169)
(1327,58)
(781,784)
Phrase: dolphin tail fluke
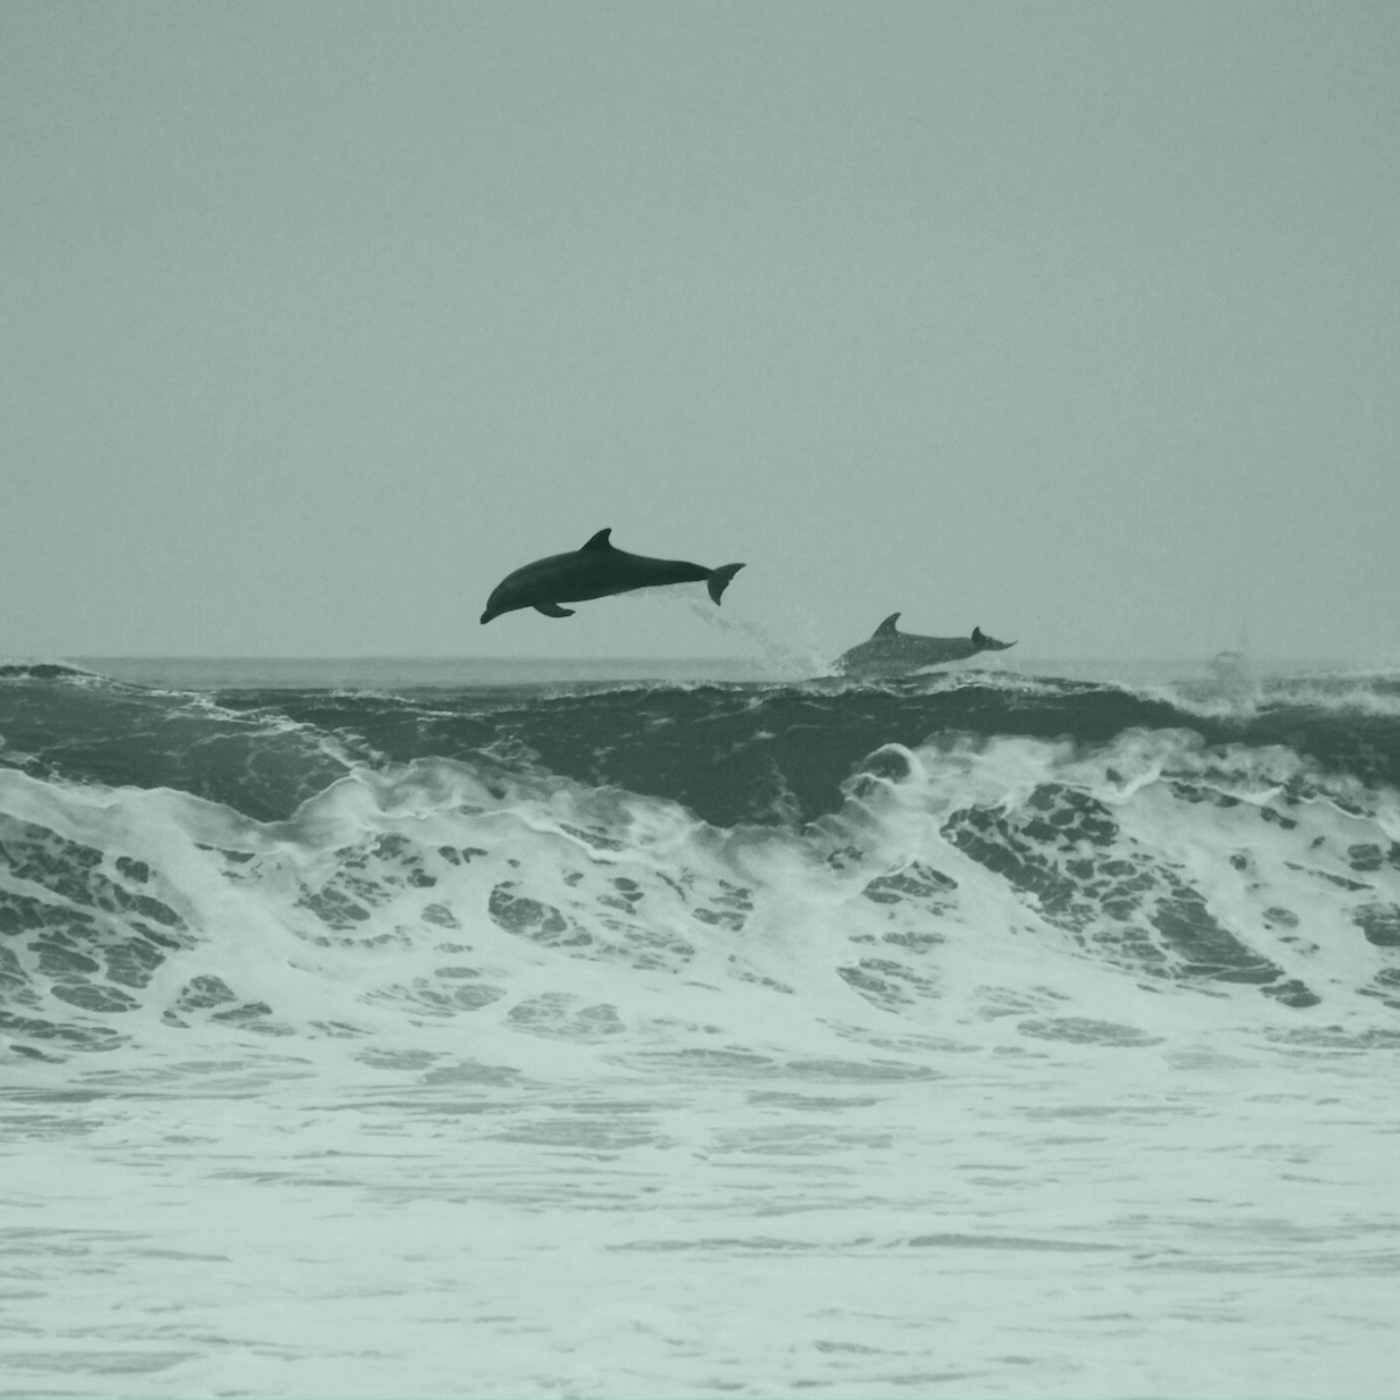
(719,580)
(983,642)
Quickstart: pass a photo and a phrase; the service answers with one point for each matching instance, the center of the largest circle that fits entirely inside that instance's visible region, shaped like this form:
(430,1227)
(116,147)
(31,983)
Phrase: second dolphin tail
(719,580)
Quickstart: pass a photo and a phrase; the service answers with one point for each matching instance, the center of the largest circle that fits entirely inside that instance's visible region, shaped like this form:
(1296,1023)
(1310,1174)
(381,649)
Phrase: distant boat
(1226,665)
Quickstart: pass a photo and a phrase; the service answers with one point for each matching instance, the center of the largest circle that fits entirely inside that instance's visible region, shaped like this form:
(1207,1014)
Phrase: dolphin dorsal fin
(886,627)
(600,540)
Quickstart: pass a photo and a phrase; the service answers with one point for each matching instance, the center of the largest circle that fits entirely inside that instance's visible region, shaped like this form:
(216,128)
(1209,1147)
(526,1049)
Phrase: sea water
(504,1029)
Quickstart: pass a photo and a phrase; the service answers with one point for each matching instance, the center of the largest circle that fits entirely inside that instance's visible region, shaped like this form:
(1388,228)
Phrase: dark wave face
(732,754)
(841,847)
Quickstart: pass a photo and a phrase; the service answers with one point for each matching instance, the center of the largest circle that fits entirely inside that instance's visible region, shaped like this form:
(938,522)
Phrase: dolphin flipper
(553,610)
(719,580)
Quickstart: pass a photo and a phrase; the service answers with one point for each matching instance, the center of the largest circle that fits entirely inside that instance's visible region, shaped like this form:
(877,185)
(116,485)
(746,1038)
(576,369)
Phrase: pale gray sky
(1080,322)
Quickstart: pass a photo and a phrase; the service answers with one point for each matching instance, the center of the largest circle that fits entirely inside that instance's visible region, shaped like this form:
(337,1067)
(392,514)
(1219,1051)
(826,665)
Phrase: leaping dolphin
(595,571)
(890,652)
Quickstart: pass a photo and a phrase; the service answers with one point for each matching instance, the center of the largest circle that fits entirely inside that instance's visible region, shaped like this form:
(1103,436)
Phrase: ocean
(475,1029)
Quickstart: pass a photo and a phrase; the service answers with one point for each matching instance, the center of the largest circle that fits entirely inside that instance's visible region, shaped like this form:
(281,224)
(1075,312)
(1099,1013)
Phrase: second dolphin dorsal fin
(886,628)
(600,540)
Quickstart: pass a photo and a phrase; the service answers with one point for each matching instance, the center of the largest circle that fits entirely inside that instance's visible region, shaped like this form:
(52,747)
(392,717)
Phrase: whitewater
(433,1030)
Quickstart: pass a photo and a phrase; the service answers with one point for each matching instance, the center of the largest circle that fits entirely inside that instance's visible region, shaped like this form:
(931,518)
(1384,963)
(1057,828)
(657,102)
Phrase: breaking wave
(723,872)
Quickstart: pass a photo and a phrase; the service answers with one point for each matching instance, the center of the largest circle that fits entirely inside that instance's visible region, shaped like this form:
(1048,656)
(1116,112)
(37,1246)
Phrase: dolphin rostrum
(595,571)
(890,652)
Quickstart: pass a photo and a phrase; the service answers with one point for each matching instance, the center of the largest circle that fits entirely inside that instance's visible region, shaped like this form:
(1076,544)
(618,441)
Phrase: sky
(1079,322)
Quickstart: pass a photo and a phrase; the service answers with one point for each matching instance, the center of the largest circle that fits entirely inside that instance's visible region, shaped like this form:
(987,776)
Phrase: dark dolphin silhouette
(595,571)
(890,652)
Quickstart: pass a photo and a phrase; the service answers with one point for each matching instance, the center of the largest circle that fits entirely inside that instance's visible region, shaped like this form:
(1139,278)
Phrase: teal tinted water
(400,673)
(369,673)
(376,1029)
